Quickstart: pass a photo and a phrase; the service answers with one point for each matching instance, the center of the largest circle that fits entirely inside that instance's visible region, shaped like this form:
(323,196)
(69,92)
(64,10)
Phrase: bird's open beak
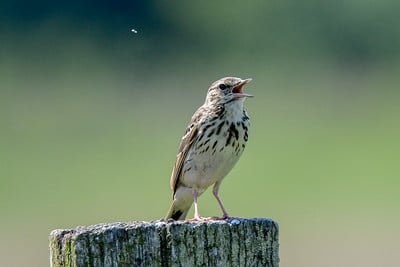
(237,89)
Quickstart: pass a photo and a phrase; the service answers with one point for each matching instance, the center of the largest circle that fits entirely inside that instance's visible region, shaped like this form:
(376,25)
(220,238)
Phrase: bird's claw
(199,219)
(222,218)
(206,219)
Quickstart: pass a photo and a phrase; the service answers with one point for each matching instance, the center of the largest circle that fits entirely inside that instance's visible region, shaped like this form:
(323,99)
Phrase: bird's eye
(222,86)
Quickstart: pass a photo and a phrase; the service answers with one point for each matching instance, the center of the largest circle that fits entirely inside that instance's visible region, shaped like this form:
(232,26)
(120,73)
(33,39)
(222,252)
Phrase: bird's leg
(196,209)
(197,216)
(215,193)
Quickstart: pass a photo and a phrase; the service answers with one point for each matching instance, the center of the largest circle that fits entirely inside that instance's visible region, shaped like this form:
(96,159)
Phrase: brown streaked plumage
(210,147)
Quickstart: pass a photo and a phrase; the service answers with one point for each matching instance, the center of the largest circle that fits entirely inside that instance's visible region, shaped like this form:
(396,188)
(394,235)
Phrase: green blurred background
(91,115)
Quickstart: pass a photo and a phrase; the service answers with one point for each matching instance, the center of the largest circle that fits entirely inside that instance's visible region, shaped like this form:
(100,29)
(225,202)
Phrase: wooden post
(234,242)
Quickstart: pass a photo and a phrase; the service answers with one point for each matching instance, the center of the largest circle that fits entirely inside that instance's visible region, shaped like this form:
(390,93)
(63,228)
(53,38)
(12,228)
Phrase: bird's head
(227,90)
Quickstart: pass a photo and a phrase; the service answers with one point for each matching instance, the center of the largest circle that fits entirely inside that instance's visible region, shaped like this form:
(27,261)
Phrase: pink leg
(196,209)
(197,216)
(215,192)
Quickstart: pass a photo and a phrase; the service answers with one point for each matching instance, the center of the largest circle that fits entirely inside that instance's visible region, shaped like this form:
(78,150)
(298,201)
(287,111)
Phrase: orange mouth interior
(238,88)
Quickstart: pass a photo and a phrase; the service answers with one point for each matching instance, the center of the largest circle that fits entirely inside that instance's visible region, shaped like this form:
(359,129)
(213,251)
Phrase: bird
(211,145)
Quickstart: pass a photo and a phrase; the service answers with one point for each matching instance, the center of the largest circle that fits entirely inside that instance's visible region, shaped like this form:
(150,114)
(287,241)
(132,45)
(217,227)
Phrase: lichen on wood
(233,242)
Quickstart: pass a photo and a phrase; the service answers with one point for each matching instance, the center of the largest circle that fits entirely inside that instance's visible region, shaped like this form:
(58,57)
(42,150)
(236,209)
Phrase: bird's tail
(177,213)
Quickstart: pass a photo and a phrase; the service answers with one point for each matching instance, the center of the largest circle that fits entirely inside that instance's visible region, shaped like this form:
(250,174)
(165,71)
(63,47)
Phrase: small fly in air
(134,31)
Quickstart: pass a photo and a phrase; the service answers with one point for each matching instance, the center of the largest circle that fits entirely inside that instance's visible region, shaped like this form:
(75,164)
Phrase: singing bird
(211,146)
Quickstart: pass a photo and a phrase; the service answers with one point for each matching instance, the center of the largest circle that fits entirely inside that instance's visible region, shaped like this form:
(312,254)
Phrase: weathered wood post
(234,242)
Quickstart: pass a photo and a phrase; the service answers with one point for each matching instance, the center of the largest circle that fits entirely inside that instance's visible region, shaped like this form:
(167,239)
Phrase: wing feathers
(187,141)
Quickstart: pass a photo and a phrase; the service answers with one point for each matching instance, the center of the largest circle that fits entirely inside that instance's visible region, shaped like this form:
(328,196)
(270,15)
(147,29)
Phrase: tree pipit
(211,146)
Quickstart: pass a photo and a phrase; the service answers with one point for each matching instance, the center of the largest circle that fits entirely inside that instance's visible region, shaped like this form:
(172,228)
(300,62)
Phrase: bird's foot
(199,219)
(222,218)
(213,218)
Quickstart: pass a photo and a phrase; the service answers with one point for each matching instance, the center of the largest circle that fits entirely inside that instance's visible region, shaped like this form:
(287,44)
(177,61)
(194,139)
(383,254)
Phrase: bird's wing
(187,141)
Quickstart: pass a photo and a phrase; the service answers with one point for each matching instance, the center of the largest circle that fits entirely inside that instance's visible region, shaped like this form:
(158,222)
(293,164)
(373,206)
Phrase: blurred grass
(323,154)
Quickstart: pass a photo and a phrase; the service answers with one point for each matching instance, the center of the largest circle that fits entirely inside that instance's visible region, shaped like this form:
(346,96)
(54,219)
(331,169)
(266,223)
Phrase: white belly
(203,169)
